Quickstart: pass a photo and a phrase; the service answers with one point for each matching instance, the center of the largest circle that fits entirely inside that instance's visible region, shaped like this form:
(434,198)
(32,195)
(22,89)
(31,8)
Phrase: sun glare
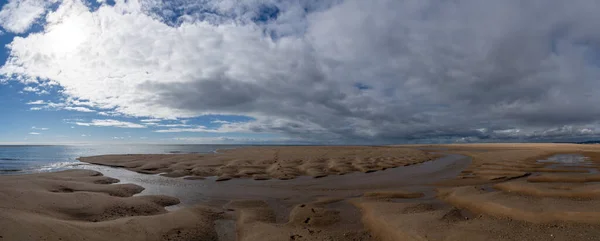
(67,36)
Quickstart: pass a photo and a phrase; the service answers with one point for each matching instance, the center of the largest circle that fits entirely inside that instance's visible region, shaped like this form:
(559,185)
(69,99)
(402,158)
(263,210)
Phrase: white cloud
(34,133)
(109,113)
(260,125)
(127,80)
(52,105)
(74,102)
(18,15)
(59,106)
(30,89)
(40,104)
(37,102)
(224,139)
(151,120)
(172,125)
(207,140)
(35,90)
(78,108)
(176,130)
(220,122)
(110,123)
(40,128)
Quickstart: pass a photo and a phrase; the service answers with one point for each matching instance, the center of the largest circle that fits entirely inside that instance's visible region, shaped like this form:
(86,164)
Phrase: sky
(299,71)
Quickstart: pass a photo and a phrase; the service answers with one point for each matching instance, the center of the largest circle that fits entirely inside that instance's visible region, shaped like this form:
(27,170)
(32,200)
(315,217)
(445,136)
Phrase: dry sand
(503,193)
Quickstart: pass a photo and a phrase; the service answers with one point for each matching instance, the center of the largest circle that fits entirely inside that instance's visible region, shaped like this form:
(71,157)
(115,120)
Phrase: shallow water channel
(303,188)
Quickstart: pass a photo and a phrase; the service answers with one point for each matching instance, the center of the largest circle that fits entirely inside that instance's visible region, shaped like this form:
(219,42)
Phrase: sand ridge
(519,183)
(392,221)
(506,193)
(263,163)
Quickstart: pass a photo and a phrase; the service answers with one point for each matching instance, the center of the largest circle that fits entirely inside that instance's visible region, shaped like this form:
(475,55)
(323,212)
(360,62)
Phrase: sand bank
(269,162)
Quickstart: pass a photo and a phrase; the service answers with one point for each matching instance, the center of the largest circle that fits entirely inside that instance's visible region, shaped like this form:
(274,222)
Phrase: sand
(263,163)
(478,192)
(82,205)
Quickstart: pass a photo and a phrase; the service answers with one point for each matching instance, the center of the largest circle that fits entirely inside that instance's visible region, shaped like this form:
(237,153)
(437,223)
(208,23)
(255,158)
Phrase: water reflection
(568,159)
(571,162)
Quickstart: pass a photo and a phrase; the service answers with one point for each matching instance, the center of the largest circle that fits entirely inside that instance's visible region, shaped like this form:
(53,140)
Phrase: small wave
(183,152)
(9,159)
(61,165)
(10,170)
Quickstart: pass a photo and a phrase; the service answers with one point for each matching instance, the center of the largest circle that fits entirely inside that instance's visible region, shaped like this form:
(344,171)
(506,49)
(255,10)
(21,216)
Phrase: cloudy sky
(299,71)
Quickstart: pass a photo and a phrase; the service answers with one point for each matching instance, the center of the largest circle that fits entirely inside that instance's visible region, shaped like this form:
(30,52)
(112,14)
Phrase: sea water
(19,159)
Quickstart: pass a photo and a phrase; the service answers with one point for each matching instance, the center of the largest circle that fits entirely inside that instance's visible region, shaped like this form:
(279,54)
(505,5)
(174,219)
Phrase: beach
(405,192)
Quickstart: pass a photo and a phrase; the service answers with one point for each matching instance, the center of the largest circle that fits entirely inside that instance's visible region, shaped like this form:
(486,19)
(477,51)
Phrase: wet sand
(424,192)
(263,163)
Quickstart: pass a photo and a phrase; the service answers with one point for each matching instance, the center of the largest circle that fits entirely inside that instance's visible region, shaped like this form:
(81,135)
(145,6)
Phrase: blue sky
(302,71)
(20,124)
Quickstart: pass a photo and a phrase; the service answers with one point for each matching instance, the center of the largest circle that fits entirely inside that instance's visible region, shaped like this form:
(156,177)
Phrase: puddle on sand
(570,161)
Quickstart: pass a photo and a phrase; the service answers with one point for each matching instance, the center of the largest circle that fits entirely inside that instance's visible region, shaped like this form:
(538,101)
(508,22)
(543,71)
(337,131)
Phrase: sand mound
(455,215)
(565,178)
(263,163)
(311,215)
(564,190)
(311,221)
(76,195)
(516,207)
(250,211)
(80,205)
(387,222)
(419,208)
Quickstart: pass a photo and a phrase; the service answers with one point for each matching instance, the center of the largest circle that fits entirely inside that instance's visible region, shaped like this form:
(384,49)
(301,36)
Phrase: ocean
(32,159)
